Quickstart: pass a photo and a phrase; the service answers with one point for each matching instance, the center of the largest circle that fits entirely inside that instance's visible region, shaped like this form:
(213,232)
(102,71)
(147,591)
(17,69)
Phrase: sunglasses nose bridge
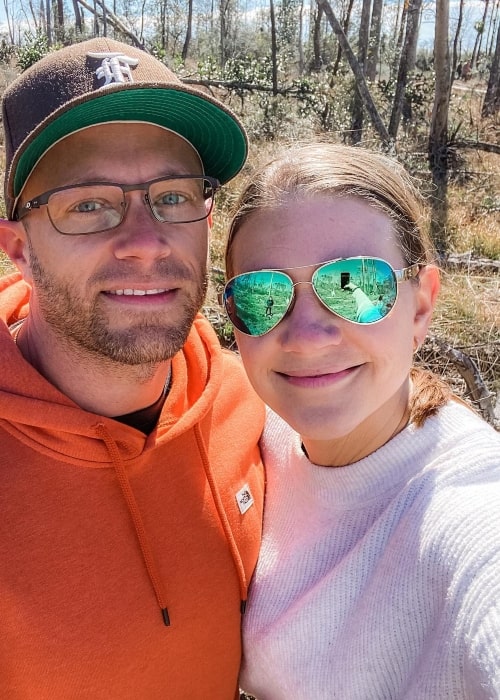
(314,290)
(315,296)
(296,284)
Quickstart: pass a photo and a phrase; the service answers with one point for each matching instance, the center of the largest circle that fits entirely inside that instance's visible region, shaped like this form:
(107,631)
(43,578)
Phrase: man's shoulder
(232,360)
(235,376)
(14,298)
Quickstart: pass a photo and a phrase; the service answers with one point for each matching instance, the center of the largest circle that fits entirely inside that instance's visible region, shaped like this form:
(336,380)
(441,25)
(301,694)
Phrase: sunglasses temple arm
(408,273)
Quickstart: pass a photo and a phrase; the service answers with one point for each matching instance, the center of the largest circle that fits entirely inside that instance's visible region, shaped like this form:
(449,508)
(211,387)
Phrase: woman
(379,573)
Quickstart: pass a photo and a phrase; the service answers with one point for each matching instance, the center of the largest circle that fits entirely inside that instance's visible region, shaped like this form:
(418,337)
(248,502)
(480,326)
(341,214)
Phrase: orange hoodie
(125,557)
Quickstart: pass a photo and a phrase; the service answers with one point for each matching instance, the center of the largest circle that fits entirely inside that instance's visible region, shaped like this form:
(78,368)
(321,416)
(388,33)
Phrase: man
(132,486)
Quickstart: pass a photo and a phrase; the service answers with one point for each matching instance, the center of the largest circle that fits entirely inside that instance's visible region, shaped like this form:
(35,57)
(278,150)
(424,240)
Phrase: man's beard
(84,325)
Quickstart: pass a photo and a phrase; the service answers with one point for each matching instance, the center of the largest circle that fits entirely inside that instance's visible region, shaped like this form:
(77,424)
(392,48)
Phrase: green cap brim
(214,133)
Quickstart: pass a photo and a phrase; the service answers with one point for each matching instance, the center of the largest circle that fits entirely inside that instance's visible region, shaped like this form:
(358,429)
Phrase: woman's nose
(309,325)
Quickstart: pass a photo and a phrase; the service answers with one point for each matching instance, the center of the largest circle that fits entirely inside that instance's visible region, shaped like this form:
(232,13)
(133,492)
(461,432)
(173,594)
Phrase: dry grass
(5,264)
(468,309)
(467,317)
(474,206)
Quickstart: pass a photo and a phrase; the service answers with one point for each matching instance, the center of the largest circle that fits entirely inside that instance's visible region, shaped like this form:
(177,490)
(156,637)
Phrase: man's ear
(14,241)
(210,222)
(426,297)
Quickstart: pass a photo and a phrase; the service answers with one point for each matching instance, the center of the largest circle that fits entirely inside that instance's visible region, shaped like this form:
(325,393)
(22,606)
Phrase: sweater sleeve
(482,639)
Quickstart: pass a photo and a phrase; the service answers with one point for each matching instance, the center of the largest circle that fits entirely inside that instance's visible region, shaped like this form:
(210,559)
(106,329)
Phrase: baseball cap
(102,80)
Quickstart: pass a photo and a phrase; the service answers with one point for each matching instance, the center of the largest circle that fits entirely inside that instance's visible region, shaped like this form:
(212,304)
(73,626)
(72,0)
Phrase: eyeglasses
(100,206)
(361,290)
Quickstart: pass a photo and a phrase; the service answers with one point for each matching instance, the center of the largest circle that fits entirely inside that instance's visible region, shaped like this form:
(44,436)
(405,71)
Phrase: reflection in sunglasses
(360,290)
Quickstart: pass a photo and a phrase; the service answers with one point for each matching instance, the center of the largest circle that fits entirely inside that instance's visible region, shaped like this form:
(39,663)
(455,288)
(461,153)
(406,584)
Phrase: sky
(473,12)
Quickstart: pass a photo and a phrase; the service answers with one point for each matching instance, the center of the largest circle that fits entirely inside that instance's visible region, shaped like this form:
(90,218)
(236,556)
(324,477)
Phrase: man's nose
(140,234)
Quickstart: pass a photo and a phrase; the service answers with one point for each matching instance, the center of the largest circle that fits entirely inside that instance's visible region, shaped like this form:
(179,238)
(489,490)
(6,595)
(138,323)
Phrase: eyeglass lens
(94,208)
(362,290)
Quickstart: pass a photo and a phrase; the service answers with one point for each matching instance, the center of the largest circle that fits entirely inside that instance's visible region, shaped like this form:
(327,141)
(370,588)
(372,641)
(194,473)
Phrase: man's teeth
(138,292)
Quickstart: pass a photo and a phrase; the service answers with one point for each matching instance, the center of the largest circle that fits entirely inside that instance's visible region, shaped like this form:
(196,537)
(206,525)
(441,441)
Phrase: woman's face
(343,387)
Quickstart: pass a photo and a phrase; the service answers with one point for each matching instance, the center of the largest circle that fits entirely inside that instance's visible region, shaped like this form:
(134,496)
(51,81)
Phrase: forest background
(419,80)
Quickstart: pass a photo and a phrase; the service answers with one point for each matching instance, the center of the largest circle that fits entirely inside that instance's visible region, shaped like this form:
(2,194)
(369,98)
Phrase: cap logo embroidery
(244,499)
(115,67)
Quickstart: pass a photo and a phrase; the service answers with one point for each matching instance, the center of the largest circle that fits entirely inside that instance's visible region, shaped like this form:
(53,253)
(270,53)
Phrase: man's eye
(171,198)
(88,206)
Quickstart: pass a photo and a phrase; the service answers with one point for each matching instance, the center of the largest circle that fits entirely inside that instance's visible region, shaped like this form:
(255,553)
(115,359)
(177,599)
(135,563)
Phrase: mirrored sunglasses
(361,290)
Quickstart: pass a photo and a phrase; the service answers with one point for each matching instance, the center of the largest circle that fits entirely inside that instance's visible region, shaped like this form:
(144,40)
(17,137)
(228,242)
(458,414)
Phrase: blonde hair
(306,170)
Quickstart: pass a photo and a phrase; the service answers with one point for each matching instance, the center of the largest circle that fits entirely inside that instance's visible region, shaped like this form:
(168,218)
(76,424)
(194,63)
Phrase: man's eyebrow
(168,172)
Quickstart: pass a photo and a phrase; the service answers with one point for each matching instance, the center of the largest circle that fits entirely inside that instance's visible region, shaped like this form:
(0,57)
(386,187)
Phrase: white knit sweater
(380,580)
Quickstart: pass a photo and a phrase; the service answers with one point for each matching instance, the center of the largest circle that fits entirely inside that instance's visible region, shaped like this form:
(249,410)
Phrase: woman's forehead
(313,229)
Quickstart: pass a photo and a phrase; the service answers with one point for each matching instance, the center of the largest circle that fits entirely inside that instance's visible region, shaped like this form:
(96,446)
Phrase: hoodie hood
(43,417)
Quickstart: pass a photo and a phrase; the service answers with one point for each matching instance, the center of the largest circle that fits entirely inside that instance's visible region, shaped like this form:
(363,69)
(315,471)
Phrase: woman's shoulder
(459,426)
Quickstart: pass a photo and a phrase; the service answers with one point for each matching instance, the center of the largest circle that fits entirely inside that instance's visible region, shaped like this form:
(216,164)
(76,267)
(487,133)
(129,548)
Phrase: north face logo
(115,67)
(244,499)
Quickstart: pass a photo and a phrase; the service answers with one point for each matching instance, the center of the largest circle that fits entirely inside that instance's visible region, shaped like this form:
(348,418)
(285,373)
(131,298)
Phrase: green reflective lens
(360,290)
(257,301)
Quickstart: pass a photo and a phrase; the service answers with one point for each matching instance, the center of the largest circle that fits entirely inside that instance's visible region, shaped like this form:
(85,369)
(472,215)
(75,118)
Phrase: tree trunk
(479,38)
(301,42)
(345,28)
(438,137)
(361,85)
(105,19)
(9,25)
(274,48)
(59,21)
(187,39)
(399,34)
(49,22)
(406,64)
(456,39)
(356,133)
(316,39)
(223,6)
(491,102)
(43,18)
(493,25)
(374,46)
(96,19)
(163,25)
(78,17)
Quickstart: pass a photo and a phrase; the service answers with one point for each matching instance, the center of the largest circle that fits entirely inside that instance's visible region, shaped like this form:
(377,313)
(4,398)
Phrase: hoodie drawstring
(238,562)
(135,514)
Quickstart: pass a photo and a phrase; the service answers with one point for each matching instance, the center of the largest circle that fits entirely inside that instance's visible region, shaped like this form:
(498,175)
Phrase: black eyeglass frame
(43,199)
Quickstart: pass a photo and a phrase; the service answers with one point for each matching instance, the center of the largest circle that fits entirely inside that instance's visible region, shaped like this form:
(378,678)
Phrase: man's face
(79,281)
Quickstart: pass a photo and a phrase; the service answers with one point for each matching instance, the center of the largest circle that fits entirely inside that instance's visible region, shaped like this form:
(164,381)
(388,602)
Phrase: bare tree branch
(113,19)
(239,85)
(479,145)
(469,371)
(361,84)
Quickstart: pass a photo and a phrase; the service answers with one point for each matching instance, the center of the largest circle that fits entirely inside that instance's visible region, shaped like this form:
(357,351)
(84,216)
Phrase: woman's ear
(14,242)
(426,297)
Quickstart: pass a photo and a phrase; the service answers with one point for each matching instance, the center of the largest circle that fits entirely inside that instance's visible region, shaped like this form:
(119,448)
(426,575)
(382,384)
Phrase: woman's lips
(310,379)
